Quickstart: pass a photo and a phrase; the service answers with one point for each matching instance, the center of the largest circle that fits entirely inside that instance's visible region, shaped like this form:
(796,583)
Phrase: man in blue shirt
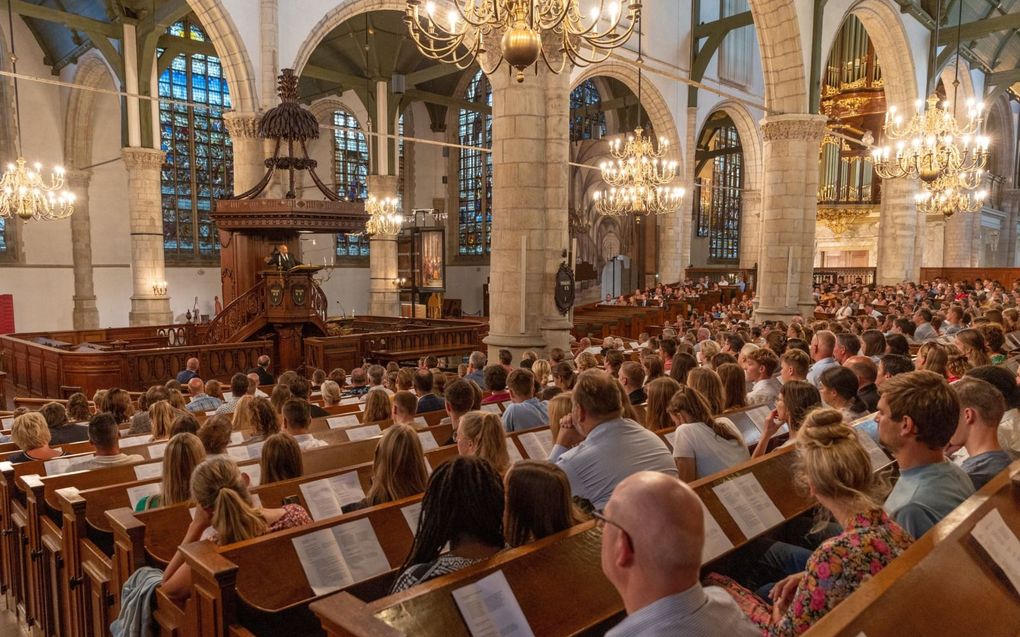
(190,371)
(653,531)
(476,363)
(597,448)
(917,415)
(201,401)
(524,411)
(981,409)
(822,345)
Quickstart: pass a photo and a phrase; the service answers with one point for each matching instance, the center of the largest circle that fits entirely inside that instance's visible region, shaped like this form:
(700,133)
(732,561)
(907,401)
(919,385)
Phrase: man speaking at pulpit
(281,259)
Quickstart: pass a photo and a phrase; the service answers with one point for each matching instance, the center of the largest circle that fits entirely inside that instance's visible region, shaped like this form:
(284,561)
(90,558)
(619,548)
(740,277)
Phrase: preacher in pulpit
(281,259)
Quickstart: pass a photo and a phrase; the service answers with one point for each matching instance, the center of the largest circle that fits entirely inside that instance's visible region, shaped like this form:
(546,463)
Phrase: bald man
(652,539)
(201,401)
(190,371)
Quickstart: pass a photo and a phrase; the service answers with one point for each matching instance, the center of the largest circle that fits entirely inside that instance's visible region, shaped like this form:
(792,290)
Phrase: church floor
(9,624)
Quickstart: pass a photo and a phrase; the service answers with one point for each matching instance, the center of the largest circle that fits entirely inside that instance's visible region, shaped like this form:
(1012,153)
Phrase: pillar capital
(142,158)
(242,125)
(807,128)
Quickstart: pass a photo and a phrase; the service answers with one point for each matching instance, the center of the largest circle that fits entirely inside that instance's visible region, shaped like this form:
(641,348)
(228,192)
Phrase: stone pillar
(269,45)
(750,228)
(900,229)
(384,296)
(963,240)
(146,223)
(85,313)
(687,209)
(789,197)
(249,158)
(1011,206)
(529,220)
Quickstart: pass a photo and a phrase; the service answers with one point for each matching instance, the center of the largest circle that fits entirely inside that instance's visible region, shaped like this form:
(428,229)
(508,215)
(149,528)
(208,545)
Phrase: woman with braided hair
(463,506)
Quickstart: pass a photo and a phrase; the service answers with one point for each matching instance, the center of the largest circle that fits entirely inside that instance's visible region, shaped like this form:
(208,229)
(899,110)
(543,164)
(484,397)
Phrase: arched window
(4,249)
(587,120)
(474,170)
(720,179)
(199,159)
(350,175)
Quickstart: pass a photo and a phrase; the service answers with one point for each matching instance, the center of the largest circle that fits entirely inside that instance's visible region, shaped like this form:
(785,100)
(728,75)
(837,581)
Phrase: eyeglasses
(601,521)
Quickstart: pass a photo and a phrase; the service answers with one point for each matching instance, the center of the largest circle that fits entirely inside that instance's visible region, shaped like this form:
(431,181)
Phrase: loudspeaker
(397,84)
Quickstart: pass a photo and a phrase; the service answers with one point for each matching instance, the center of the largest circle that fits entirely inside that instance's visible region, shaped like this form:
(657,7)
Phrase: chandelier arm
(537,23)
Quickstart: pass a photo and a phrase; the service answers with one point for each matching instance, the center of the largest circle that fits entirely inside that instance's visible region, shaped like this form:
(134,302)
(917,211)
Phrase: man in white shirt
(847,345)
(822,344)
(653,534)
(297,416)
(759,366)
(104,434)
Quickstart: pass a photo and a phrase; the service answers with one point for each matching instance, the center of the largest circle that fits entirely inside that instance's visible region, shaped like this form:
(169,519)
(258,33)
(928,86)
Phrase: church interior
(355,318)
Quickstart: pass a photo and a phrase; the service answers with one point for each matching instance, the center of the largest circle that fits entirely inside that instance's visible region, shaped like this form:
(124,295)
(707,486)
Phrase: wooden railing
(847,276)
(1005,276)
(241,315)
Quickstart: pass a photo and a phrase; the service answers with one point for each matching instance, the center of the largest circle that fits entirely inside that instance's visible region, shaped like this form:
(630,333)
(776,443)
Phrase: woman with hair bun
(835,469)
(481,433)
(223,503)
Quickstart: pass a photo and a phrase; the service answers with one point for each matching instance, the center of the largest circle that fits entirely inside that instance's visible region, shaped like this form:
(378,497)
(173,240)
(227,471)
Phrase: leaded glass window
(717,203)
(3,236)
(586,116)
(350,176)
(474,172)
(199,159)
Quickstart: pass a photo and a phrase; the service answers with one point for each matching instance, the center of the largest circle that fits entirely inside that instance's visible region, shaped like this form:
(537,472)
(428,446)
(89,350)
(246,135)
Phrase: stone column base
(516,344)
(85,314)
(150,311)
(762,314)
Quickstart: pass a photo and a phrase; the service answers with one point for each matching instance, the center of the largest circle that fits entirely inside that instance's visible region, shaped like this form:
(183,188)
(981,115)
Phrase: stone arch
(750,141)
(652,101)
(230,48)
(999,125)
(344,11)
(782,56)
(92,72)
(947,73)
(885,28)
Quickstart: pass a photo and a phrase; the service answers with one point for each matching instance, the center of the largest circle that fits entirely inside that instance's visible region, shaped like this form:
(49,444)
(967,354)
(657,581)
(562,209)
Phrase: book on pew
(239,453)
(878,457)
(746,501)
(135,494)
(490,608)
(511,449)
(157,450)
(148,470)
(538,444)
(57,466)
(134,441)
(344,421)
(337,557)
(716,541)
(236,437)
(421,422)
(326,497)
(254,473)
(6,423)
(1000,544)
(364,433)
(428,441)
(492,408)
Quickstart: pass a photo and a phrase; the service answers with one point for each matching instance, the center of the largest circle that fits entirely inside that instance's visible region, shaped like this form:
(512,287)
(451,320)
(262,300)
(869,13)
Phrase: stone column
(687,209)
(789,197)
(384,296)
(963,240)
(146,223)
(529,219)
(750,228)
(249,158)
(899,231)
(85,314)
(1011,206)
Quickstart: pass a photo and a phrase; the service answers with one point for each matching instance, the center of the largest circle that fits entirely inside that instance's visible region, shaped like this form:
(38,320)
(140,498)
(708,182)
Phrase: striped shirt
(699,612)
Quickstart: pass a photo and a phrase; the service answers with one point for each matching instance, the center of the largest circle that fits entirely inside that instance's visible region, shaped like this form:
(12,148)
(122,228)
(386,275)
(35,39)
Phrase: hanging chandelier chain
(14,69)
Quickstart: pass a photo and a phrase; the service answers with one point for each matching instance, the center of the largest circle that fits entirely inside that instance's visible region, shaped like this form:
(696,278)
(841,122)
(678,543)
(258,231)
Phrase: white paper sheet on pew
(716,542)
(239,452)
(135,494)
(210,414)
(511,449)
(63,465)
(428,441)
(6,422)
(878,457)
(751,508)
(148,470)
(412,513)
(326,497)
(336,558)
(364,433)
(254,473)
(490,608)
(255,449)
(134,441)
(1001,544)
(344,421)
(538,444)
(492,408)
(353,400)
(236,437)
(421,422)
(758,416)
(156,451)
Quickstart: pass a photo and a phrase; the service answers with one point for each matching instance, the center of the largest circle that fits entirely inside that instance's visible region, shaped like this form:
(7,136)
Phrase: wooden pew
(944,584)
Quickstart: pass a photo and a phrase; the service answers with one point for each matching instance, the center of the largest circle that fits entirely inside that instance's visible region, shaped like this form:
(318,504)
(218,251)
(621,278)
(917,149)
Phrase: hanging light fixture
(519,31)
(383,216)
(947,196)
(640,174)
(24,192)
(933,144)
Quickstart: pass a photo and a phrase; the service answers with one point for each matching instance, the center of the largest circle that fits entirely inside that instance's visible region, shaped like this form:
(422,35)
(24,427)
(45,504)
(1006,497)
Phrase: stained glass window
(350,176)
(586,116)
(474,233)
(199,158)
(717,203)
(3,236)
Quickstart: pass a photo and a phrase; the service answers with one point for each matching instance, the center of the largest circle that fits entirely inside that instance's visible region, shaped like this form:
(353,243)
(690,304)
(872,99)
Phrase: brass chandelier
(384,217)
(933,145)
(640,174)
(520,31)
(947,196)
(24,192)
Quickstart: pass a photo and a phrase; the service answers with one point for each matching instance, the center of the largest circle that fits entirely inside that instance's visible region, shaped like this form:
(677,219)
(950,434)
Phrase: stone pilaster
(687,209)
(529,202)
(384,296)
(750,228)
(269,45)
(789,196)
(146,224)
(85,314)
(900,230)
(1011,206)
(963,240)
(249,158)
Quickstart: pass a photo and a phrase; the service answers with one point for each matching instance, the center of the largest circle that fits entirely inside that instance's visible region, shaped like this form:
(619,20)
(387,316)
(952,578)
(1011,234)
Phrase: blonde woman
(378,406)
(243,416)
(281,458)
(30,433)
(162,416)
(558,407)
(224,504)
(710,386)
(660,391)
(703,444)
(542,371)
(398,470)
(586,360)
(480,433)
(183,453)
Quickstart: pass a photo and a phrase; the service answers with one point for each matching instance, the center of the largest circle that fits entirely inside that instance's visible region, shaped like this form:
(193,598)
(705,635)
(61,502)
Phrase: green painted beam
(1003,77)
(185,45)
(331,75)
(443,100)
(723,25)
(69,20)
(979,28)
(430,73)
(110,52)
